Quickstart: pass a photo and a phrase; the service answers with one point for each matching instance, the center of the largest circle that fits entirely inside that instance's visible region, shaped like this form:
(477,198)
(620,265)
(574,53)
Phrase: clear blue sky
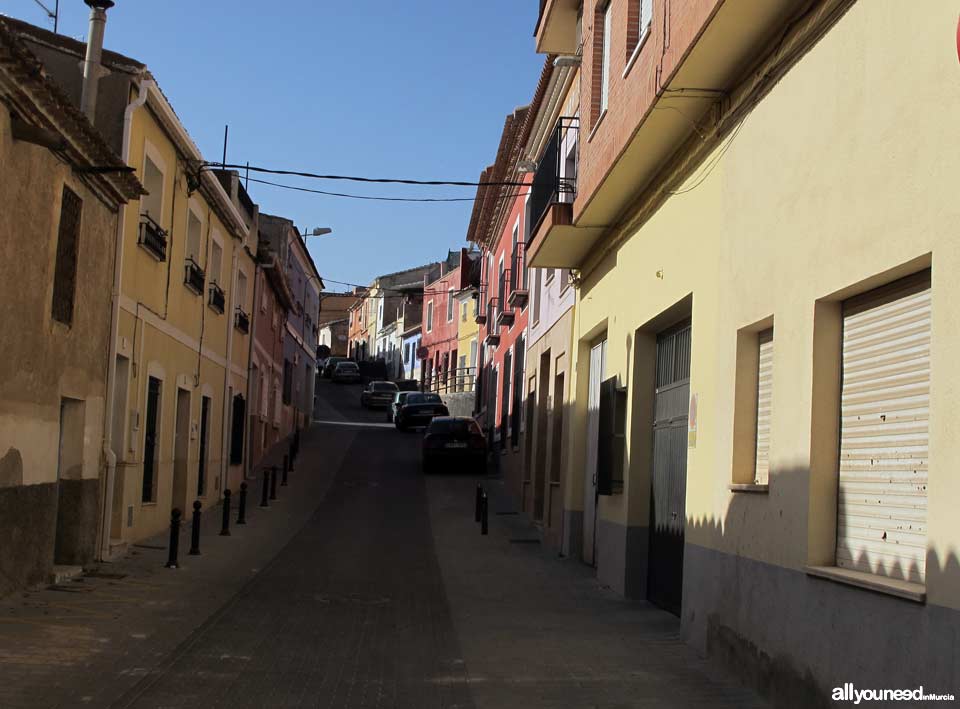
(381,88)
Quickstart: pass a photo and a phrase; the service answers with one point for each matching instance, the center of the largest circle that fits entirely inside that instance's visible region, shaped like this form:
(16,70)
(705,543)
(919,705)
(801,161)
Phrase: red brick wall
(676,25)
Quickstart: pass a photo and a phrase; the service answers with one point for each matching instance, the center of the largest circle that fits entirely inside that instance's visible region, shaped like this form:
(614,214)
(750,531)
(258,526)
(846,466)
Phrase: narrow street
(387,596)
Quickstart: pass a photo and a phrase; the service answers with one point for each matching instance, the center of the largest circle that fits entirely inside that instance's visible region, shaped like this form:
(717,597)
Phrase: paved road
(366,585)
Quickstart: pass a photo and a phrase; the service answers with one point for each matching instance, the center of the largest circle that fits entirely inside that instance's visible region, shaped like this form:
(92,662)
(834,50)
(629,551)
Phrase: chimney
(91,65)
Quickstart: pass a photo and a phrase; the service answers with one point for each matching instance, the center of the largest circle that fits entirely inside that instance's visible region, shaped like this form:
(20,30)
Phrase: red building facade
(440,326)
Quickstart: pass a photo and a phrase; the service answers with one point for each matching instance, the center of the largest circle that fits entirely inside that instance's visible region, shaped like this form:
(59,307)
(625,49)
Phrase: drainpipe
(92,69)
(227,420)
(111,458)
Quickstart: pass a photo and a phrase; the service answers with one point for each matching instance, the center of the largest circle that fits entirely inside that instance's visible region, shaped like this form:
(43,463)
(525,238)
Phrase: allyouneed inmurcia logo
(849,693)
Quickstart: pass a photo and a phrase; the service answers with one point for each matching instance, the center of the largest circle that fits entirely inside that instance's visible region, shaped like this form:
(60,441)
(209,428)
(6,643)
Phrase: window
(764,400)
(263,300)
(287,381)
(151,204)
(646,18)
(65,268)
(430,316)
(241,290)
(194,230)
(463,311)
(605,60)
(753,392)
(264,397)
(473,353)
(216,259)
(450,302)
(884,422)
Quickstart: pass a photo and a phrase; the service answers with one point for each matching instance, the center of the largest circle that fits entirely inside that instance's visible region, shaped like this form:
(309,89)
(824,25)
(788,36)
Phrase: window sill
(596,126)
(636,52)
(892,587)
(755,488)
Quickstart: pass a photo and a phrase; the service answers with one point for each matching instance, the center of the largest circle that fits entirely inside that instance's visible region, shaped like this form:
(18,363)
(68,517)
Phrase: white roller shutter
(764,403)
(884,431)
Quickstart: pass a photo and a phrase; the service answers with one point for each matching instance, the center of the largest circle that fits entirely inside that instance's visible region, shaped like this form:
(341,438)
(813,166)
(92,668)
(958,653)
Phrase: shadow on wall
(794,636)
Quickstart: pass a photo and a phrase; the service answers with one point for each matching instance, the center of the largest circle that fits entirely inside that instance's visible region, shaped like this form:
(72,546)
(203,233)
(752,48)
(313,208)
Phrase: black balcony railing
(481,316)
(153,238)
(555,181)
(241,321)
(218,299)
(194,277)
(519,291)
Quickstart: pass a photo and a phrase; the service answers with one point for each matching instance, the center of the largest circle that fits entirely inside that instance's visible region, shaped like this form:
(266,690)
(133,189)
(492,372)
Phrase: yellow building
(181,338)
(763,241)
(467,339)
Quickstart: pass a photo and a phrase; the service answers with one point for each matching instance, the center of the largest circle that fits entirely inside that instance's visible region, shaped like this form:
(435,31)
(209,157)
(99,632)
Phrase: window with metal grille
(65,269)
(287,381)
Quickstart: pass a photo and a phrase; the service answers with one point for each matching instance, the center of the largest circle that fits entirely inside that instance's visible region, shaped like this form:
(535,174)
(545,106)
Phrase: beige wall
(836,182)
(44,360)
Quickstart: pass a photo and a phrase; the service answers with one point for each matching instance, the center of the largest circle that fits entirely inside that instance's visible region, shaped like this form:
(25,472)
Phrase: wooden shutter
(884,431)
(611,438)
(764,401)
(65,268)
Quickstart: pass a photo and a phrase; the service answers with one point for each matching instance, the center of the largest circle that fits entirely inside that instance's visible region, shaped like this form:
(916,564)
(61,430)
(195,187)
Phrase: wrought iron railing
(153,238)
(241,321)
(194,277)
(218,299)
(460,379)
(555,181)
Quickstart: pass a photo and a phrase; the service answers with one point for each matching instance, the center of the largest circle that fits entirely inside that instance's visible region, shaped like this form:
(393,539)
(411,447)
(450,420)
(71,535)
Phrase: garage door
(884,431)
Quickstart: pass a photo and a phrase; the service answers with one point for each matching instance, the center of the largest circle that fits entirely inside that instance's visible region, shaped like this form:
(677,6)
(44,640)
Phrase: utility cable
(376,198)
(353,178)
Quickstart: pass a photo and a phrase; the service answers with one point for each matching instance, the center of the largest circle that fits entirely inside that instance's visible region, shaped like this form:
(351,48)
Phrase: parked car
(454,442)
(419,409)
(331,364)
(399,399)
(378,394)
(346,373)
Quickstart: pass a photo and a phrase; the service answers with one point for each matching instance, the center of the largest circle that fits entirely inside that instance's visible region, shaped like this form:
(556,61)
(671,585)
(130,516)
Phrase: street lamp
(317,231)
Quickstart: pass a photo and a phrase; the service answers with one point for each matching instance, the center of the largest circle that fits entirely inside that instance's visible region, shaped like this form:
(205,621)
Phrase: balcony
(217,300)
(241,321)
(556,30)
(519,289)
(493,332)
(481,317)
(194,278)
(153,239)
(504,316)
(552,194)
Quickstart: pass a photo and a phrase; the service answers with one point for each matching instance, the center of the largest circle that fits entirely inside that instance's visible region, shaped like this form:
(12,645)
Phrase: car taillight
(478,442)
(431,442)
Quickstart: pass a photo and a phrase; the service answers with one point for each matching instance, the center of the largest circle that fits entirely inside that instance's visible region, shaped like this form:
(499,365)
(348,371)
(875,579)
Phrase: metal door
(885,431)
(598,365)
(669,475)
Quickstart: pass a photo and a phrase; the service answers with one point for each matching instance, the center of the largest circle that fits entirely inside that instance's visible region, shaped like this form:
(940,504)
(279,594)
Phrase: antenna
(51,14)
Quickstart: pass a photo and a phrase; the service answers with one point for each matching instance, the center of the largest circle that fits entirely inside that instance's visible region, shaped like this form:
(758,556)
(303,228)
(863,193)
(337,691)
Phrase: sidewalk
(87,642)
(536,630)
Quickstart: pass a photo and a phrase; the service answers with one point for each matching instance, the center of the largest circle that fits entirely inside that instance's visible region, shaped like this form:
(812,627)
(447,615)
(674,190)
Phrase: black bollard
(225,531)
(174,539)
(286,469)
(476,515)
(273,482)
(242,512)
(483,514)
(195,531)
(266,488)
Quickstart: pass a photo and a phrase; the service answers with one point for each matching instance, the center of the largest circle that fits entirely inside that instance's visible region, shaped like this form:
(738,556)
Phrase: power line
(374,198)
(352,178)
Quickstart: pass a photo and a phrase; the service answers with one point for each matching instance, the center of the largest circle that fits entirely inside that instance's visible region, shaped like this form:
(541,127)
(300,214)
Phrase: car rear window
(384,386)
(424,399)
(460,426)
(347,366)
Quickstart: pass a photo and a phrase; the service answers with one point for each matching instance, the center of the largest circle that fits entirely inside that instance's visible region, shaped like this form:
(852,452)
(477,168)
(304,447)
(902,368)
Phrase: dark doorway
(204,436)
(181,450)
(151,441)
(236,433)
(505,401)
(669,474)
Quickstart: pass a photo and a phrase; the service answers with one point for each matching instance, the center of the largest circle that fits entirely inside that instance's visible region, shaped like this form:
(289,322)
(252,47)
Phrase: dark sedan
(378,394)
(399,399)
(419,409)
(453,443)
